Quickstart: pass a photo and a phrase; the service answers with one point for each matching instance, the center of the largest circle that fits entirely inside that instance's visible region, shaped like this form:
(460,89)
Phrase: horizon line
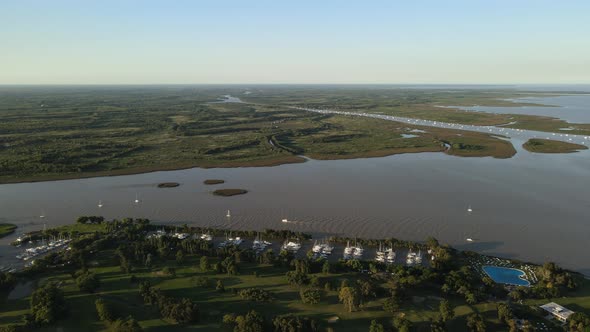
(343,84)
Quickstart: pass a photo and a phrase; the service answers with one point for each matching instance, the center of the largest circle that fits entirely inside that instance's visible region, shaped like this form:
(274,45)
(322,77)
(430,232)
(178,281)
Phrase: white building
(557,311)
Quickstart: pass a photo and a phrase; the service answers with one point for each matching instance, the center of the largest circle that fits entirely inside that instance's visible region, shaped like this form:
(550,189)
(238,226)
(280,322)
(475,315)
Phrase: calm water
(572,108)
(532,207)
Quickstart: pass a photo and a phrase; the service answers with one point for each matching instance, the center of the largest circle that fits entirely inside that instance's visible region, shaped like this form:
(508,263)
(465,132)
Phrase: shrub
(204,264)
(125,325)
(310,295)
(297,278)
(219,286)
(87,281)
(48,304)
(256,294)
(7,281)
(291,323)
(103,310)
(179,311)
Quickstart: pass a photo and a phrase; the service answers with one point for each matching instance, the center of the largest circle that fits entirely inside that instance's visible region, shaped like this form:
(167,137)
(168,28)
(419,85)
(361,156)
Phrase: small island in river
(213,181)
(6,229)
(549,146)
(168,185)
(229,192)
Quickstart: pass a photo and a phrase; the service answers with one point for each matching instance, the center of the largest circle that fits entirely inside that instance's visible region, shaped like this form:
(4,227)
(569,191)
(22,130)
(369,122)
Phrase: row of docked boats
(385,255)
(161,232)
(353,252)
(259,245)
(206,237)
(414,258)
(322,249)
(47,246)
(231,241)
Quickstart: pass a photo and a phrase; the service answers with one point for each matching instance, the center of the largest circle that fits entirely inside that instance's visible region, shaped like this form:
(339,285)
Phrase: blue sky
(124,41)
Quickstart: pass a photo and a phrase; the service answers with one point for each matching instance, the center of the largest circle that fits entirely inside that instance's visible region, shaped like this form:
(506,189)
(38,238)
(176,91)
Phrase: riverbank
(272,162)
(7,229)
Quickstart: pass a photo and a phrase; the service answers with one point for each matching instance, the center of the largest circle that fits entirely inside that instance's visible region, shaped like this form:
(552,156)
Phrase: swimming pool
(505,275)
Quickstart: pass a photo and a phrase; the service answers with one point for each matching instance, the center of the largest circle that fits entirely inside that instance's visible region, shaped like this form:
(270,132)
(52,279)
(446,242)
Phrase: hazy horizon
(265,42)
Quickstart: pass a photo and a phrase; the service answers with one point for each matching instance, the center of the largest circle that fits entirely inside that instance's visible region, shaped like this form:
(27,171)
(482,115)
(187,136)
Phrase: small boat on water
(414,258)
(380,254)
(206,236)
(260,245)
(355,251)
(469,209)
(469,239)
(390,255)
(291,246)
(136,199)
(228,214)
(99,204)
(316,247)
(285,221)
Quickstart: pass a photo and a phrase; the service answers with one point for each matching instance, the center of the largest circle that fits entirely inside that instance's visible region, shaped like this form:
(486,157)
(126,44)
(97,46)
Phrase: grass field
(549,146)
(419,306)
(118,290)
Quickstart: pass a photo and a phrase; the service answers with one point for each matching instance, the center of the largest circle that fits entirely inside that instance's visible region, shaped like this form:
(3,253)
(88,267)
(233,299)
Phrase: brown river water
(533,207)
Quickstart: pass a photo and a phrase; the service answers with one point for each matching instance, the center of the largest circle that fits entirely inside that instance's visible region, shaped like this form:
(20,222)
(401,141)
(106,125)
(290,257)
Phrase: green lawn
(117,289)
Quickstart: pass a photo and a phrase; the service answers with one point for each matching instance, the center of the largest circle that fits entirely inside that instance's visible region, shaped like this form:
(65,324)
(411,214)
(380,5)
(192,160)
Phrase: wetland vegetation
(550,146)
(168,185)
(229,192)
(213,181)
(72,132)
(7,229)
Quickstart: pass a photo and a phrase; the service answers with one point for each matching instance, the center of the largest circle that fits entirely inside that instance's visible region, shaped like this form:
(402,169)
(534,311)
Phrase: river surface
(533,207)
(571,108)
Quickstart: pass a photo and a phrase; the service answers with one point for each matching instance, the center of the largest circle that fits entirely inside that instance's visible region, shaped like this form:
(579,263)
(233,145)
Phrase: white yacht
(291,246)
(317,248)
(390,255)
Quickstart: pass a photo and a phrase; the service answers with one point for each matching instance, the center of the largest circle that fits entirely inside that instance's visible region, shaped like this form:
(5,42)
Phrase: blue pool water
(505,275)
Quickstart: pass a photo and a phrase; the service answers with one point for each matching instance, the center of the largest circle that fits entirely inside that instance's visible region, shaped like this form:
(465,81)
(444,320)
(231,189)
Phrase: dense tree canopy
(48,304)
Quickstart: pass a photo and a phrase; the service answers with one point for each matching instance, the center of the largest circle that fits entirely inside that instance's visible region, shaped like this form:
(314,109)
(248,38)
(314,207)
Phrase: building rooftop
(557,310)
